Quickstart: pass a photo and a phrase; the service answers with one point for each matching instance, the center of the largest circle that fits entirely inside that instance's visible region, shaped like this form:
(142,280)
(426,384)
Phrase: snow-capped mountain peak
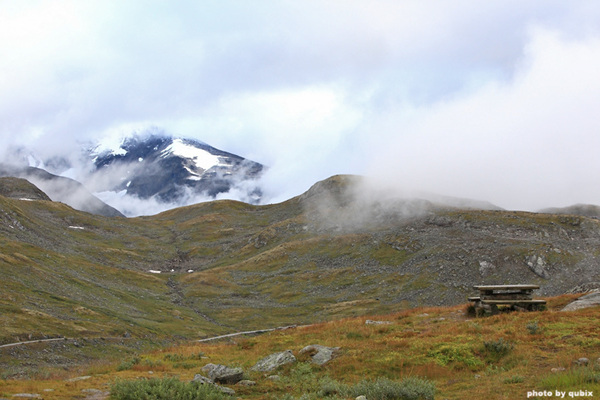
(149,172)
(171,170)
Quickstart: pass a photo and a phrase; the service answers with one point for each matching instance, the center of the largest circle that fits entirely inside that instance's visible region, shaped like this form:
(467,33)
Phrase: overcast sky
(490,100)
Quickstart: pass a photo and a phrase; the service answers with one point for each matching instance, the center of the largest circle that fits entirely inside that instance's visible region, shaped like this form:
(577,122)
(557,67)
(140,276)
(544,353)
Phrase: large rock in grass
(319,354)
(202,380)
(589,300)
(223,374)
(274,361)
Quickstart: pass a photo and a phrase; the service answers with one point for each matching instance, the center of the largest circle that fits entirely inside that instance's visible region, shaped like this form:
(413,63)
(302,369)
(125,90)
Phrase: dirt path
(256,332)
(32,341)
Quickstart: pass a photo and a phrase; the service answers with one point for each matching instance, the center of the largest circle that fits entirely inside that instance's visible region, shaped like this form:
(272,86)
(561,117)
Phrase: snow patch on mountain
(201,158)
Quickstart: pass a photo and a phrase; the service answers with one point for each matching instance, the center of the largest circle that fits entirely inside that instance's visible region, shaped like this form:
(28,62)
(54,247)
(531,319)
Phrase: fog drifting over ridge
(493,101)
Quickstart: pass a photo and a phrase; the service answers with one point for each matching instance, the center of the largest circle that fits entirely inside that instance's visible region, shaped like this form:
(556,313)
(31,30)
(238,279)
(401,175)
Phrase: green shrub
(164,389)
(302,377)
(580,378)
(330,387)
(152,363)
(380,389)
(125,365)
(592,377)
(533,327)
(458,354)
(498,348)
(386,389)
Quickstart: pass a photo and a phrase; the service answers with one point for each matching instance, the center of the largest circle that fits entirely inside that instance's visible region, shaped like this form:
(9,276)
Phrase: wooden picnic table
(519,297)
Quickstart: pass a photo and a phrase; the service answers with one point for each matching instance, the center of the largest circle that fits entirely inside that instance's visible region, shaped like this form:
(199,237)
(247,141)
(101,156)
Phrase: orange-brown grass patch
(442,345)
(559,302)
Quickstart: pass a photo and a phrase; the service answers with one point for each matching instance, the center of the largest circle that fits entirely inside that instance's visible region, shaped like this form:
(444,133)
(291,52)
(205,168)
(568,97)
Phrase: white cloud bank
(525,143)
(491,100)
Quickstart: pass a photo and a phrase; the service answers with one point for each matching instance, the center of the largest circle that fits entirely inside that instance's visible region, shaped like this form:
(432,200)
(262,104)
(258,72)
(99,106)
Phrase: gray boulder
(205,381)
(319,354)
(371,322)
(589,300)
(274,361)
(223,374)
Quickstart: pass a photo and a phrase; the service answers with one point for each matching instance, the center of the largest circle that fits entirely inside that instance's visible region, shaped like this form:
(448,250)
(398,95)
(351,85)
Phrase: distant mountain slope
(18,188)
(226,265)
(169,169)
(586,210)
(61,189)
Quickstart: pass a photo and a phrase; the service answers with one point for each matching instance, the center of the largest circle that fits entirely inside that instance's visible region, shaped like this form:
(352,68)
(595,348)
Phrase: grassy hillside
(499,357)
(337,251)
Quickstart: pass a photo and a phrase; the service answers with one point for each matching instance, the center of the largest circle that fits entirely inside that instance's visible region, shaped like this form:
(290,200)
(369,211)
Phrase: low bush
(164,389)
(533,327)
(580,378)
(460,355)
(125,365)
(381,389)
(498,348)
(386,389)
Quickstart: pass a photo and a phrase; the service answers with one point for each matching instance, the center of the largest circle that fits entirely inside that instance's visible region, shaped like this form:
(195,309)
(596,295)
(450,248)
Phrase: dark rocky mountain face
(171,168)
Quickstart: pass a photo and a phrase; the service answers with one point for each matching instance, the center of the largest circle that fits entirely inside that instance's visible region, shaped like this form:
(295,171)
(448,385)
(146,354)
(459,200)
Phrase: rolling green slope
(332,252)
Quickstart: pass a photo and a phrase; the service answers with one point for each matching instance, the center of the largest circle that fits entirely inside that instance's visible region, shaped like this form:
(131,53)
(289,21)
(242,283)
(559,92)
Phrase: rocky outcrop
(586,287)
(223,374)
(538,265)
(205,381)
(320,354)
(274,361)
(589,300)
(372,322)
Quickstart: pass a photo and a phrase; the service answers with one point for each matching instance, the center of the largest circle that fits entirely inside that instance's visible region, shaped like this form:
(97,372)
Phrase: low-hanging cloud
(490,100)
(522,144)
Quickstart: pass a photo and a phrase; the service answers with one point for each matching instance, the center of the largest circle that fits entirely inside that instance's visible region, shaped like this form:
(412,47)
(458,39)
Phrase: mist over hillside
(61,189)
(228,264)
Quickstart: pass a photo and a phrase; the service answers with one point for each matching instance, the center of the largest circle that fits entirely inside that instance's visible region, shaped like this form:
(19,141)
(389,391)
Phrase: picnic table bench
(518,297)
